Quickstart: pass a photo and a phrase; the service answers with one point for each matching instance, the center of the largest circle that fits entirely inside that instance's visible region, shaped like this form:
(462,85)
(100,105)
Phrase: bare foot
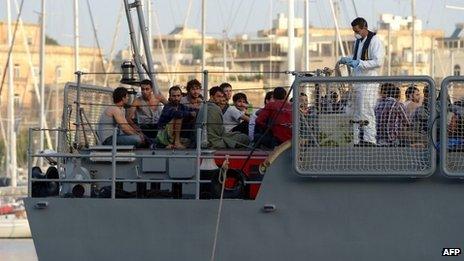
(179,146)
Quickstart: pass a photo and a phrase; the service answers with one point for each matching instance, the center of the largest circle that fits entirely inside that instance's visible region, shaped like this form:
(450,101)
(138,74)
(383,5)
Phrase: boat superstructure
(322,199)
(317,197)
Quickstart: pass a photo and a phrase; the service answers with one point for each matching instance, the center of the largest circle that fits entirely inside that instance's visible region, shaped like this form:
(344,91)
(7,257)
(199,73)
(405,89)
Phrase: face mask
(358,36)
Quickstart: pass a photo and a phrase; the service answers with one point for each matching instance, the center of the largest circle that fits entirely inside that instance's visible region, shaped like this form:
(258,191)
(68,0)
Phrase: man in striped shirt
(392,121)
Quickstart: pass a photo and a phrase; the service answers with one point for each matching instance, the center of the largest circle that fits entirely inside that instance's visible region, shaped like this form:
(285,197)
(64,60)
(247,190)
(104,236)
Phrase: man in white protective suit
(366,60)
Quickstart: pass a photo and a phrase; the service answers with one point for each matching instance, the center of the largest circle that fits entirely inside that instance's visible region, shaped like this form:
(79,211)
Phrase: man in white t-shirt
(235,118)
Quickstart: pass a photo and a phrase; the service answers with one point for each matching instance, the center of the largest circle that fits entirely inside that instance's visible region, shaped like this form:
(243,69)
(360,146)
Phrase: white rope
(222,178)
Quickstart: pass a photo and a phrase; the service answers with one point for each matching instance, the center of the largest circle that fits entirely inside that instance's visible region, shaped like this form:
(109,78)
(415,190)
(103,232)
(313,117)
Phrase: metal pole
(224,55)
(135,46)
(146,46)
(78,108)
(451,63)
(149,10)
(432,58)
(270,43)
(413,9)
(389,50)
(355,9)
(336,26)
(42,80)
(11,154)
(113,164)
(291,40)
(203,31)
(198,171)
(204,137)
(29,163)
(306,35)
(337,43)
(76,35)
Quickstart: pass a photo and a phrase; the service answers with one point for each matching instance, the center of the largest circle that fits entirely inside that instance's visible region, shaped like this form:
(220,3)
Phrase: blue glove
(345,60)
(353,63)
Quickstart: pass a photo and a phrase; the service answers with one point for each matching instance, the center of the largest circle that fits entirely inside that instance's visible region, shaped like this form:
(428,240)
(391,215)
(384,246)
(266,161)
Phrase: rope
(222,178)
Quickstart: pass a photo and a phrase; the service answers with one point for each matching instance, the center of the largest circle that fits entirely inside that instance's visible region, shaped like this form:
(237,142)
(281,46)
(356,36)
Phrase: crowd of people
(154,121)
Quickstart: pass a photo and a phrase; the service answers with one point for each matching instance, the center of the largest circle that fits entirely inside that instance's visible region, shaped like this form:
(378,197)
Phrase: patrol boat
(316,197)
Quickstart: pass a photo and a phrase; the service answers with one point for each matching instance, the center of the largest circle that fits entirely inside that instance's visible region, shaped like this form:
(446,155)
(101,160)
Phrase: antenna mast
(142,68)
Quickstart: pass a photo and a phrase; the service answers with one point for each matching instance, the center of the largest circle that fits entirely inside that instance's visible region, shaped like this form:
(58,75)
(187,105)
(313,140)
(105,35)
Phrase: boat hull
(314,219)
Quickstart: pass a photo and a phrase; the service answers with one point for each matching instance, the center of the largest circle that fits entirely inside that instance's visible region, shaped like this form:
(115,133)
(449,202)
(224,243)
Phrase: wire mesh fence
(93,101)
(364,126)
(452,126)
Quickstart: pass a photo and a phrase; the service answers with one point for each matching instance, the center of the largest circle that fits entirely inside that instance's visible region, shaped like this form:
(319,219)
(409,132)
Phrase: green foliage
(196,51)
(50,41)
(246,78)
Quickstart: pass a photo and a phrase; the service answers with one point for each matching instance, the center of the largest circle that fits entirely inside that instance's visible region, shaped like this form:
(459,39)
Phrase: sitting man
(420,122)
(171,119)
(254,131)
(146,109)
(392,121)
(277,115)
(412,100)
(193,99)
(227,90)
(114,117)
(218,138)
(235,117)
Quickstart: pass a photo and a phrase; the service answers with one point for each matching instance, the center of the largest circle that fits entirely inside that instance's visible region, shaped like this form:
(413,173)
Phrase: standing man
(367,59)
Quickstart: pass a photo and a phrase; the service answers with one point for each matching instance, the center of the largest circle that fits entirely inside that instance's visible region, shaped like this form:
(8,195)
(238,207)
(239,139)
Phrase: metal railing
(78,116)
(452,126)
(354,136)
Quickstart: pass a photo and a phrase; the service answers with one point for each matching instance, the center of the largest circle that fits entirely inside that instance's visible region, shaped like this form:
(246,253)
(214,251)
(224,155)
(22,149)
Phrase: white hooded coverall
(366,95)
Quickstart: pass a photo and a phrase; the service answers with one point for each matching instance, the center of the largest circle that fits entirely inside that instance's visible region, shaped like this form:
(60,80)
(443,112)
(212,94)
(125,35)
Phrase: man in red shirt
(277,115)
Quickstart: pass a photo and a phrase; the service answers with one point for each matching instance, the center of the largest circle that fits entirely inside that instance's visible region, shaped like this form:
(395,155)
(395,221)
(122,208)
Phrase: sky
(236,16)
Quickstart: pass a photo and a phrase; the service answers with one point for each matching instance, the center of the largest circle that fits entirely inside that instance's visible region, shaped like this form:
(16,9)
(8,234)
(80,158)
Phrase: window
(29,40)
(326,49)
(16,71)
(58,72)
(457,70)
(16,100)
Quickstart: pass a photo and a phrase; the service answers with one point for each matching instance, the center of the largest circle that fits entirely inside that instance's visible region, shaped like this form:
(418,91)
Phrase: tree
(50,41)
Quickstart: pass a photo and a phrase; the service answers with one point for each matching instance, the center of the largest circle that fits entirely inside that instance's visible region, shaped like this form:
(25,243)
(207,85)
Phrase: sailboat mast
(389,50)
(224,55)
(76,35)
(306,35)
(42,78)
(413,10)
(291,40)
(339,37)
(203,29)
(11,154)
(149,31)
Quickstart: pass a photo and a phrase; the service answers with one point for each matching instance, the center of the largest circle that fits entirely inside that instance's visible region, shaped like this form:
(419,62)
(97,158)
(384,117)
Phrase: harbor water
(17,250)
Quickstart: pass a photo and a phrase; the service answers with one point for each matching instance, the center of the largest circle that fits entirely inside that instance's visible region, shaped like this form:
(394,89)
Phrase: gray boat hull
(315,219)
